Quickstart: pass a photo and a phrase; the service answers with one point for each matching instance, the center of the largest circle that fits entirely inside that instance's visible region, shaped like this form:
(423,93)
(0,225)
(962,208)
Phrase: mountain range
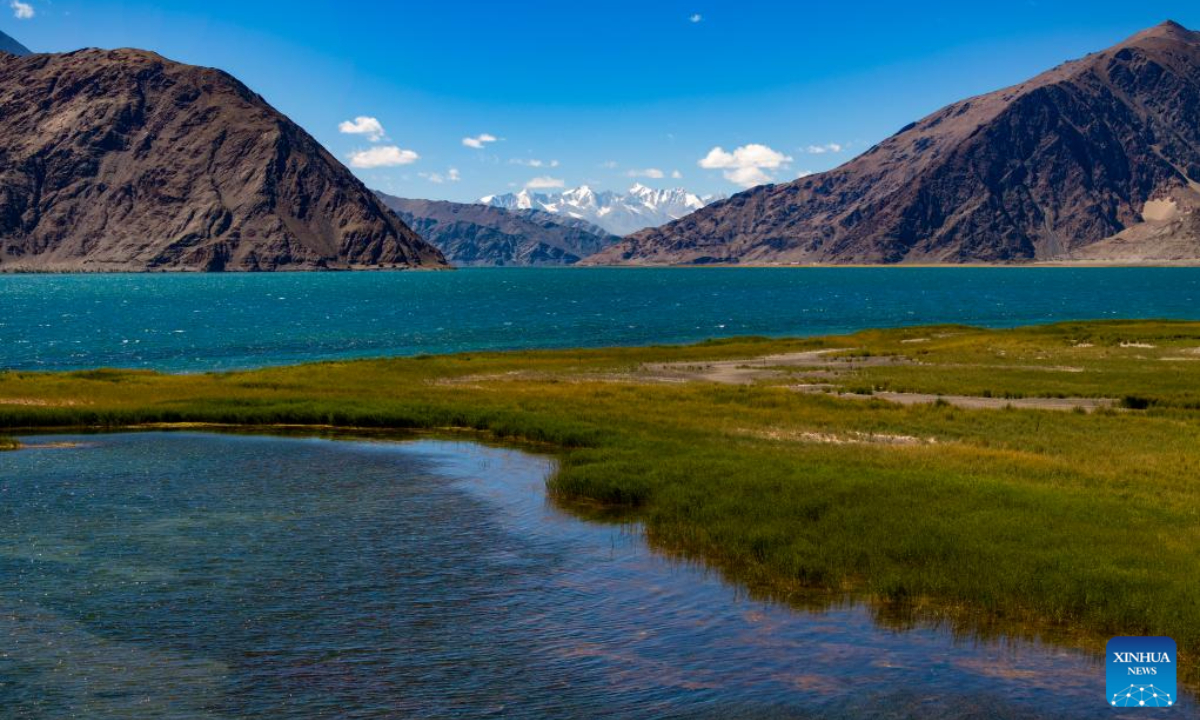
(638,208)
(124,160)
(470,234)
(1096,160)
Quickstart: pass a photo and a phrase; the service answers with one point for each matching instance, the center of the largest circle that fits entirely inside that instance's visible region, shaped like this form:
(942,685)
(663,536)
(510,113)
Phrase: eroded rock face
(1038,171)
(481,235)
(122,160)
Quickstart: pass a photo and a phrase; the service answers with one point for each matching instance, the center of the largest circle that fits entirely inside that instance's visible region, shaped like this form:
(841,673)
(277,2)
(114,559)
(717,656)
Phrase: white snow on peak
(619,213)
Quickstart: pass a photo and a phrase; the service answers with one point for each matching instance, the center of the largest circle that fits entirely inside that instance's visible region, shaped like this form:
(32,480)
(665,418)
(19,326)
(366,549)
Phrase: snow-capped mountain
(619,213)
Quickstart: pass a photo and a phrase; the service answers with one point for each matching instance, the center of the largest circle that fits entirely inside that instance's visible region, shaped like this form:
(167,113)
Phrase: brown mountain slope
(1037,171)
(482,235)
(123,160)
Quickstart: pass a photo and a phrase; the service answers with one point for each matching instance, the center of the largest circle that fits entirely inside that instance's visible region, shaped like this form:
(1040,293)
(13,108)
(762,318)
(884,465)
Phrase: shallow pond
(195,575)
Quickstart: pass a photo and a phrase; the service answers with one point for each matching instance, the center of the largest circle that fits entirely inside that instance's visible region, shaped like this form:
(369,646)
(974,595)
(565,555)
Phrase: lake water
(203,322)
(201,576)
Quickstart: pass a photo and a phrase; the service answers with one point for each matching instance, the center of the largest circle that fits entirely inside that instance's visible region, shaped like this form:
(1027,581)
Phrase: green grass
(1087,524)
(1064,360)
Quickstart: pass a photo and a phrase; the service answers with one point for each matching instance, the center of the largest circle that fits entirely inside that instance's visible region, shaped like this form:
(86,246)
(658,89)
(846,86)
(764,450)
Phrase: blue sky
(706,95)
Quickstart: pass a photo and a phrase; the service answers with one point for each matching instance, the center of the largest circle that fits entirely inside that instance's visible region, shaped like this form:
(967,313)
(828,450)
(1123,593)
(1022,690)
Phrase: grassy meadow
(1068,523)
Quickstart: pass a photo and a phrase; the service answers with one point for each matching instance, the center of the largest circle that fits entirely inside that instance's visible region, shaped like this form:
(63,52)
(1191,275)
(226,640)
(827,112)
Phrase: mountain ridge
(1038,171)
(470,234)
(618,213)
(9,45)
(122,160)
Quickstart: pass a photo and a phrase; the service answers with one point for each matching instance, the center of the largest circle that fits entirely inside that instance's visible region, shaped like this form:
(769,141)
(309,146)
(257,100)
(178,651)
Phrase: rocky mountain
(123,160)
(619,213)
(473,234)
(1097,160)
(12,47)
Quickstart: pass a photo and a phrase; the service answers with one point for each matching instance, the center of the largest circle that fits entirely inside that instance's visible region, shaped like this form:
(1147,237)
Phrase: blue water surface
(191,576)
(194,322)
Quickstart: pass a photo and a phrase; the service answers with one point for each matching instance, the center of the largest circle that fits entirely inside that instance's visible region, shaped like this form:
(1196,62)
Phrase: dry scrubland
(983,511)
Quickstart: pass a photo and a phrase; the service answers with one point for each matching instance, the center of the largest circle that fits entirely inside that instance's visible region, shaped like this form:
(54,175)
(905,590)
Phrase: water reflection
(195,575)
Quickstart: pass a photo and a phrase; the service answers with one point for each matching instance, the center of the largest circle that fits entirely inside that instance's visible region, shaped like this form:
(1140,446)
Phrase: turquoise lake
(203,322)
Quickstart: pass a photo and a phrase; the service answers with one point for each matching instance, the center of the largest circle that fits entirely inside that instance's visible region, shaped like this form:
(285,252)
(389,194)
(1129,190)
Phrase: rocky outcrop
(123,160)
(473,234)
(1044,170)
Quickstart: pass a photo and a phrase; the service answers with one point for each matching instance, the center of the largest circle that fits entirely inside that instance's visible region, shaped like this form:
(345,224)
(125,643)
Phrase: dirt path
(749,370)
(977,402)
(818,363)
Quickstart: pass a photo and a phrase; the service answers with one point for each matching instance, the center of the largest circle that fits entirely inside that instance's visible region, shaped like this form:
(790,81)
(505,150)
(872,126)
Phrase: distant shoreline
(720,266)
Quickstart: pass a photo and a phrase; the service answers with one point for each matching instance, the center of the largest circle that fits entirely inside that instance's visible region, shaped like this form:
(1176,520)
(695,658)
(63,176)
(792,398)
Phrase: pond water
(196,575)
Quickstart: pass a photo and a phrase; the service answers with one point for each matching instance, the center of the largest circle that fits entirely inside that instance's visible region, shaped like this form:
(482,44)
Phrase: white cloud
(478,141)
(533,163)
(826,148)
(804,174)
(654,173)
(676,175)
(382,156)
(544,182)
(363,125)
(609,164)
(438,178)
(747,165)
(747,176)
(22,10)
(695,18)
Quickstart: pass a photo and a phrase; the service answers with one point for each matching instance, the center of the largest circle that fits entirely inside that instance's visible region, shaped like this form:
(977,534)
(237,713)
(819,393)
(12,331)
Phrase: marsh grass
(1087,522)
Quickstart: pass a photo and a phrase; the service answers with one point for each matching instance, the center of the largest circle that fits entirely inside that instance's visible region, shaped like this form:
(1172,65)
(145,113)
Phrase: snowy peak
(582,197)
(638,208)
(676,198)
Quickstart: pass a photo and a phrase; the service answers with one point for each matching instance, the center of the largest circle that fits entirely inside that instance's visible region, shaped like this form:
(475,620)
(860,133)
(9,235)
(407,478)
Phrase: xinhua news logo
(1141,672)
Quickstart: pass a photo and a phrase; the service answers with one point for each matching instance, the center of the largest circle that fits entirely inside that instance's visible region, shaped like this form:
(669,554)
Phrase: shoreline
(898,614)
(916,265)
(991,514)
(622,266)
